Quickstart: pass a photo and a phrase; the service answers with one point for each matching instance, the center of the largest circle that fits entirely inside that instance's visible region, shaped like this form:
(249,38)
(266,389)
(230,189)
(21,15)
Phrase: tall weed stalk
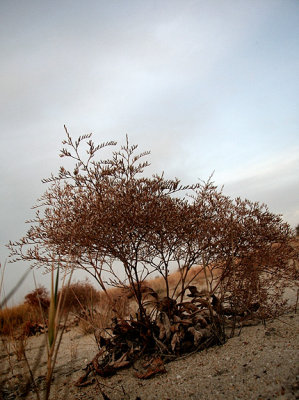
(55,318)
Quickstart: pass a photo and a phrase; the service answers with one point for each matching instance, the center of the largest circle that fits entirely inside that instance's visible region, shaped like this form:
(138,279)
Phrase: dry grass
(14,319)
(93,309)
(17,323)
(79,296)
(195,276)
(119,302)
(98,317)
(38,298)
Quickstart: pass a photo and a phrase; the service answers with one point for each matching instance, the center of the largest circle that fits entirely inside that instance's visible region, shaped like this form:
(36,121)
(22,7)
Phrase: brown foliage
(38,298)
(13,320)
(121,227)
(79,296)
(178,328)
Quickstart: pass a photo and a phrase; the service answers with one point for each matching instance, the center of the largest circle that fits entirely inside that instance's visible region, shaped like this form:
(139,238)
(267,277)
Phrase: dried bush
(13,319)
(38,298)
(97,318)
(103,211)
(79,296)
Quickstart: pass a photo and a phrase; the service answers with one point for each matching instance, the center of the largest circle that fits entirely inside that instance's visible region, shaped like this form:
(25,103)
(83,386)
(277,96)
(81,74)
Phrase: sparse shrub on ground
(38,298)
(108,210)
(79,296)
(97,318)
(27,317)
(103,211)
(13,319)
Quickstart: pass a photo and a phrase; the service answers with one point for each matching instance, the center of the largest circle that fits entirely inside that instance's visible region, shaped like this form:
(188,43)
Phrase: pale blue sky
(205,85)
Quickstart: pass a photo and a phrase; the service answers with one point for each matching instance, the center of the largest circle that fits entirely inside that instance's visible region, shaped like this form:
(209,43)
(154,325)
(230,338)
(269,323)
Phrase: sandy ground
(260,362)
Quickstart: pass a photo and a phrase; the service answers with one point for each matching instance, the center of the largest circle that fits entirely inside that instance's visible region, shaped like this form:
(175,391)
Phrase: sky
(204,85)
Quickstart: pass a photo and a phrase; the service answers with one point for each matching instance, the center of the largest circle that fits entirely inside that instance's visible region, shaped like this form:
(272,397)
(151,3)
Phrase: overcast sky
(205,85)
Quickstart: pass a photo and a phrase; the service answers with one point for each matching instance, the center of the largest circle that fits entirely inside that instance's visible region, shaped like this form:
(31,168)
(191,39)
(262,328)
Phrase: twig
(297,299)
(31,376)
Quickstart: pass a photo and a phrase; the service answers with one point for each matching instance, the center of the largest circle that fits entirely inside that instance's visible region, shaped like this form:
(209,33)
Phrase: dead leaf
(188,307)
(197,335)
(193,291)
(83,382)
(121,362)
(177,337)
(167,305)
(156,367)
(199,319)
(105,372)
(167,325)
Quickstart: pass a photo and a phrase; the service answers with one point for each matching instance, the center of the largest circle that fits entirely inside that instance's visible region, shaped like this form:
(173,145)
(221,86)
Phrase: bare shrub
(105,211)
(97,320)
(38,298)
(13,319)
(79,296)
(25,319)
